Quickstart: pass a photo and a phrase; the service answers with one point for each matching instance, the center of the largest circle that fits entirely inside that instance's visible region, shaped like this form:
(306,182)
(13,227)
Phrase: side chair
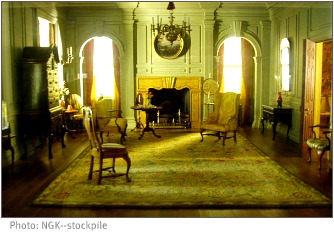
(77,119)
(103,151)
(320,144)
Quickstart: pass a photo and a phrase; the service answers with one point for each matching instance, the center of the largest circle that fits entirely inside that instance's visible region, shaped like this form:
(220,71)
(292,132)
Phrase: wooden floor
(27,178)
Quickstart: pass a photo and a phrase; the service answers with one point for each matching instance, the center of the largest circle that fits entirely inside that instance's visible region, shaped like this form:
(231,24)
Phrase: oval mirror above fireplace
(167,49)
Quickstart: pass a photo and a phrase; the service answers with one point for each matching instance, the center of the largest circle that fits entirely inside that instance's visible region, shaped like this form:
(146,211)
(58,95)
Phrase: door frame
(304,128)
(307,106)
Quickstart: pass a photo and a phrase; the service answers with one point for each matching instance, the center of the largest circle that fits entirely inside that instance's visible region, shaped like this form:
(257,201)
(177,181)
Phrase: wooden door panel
(308,103)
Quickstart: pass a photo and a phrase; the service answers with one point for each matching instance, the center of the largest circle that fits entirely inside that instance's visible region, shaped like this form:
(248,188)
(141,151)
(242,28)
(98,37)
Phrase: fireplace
(175,105)
(184,112)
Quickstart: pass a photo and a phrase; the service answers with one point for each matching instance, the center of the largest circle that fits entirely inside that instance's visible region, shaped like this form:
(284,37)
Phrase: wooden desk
(276,115)
(42,123)
(147,110)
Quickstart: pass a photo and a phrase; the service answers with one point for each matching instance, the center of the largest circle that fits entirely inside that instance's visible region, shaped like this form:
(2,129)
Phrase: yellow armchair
(224,118)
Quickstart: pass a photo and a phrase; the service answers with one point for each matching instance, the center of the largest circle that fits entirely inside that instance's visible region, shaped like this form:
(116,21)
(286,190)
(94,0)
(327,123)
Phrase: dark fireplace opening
(175,112)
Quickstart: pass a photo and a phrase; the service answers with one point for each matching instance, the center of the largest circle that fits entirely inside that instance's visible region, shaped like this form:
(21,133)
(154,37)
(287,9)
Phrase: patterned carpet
(179,171)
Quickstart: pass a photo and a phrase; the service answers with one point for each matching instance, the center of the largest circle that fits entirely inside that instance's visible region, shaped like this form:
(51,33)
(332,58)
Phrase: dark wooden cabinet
(40,113)
(277,115)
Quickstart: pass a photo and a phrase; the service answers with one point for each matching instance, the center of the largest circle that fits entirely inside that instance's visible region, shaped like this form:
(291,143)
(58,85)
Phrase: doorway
(100,71)
(246,68)
(317,99)
(323,80)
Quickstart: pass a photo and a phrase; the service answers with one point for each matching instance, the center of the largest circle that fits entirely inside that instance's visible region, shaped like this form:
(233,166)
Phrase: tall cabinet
(40,114)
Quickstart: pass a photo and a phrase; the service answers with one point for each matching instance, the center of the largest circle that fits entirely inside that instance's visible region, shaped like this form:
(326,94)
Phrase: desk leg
(50,138)
(274,130)
(262,121)
(62,135)
(287,133)
(66,129)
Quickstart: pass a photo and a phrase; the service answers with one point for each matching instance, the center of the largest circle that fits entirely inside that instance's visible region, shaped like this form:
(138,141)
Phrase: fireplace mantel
(193,83)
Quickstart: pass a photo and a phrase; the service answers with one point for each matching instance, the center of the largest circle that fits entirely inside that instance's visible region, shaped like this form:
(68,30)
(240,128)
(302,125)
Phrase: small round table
(67,114)
(147,110)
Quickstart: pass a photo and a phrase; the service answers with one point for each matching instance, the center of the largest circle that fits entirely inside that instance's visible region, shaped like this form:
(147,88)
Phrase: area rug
(179,171)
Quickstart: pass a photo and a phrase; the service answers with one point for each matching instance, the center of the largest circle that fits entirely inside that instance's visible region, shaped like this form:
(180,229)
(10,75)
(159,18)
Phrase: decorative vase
(279,100)
(62,104)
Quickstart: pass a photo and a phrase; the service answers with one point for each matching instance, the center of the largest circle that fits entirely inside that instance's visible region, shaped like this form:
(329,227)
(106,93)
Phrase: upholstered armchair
(320,144)
(109,120)
(77,118)
(224,119)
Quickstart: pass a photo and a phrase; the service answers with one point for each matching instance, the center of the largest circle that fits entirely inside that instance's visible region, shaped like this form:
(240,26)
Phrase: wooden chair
(224,118)
(77,119)
(320,144)
(103,151)
(109,120)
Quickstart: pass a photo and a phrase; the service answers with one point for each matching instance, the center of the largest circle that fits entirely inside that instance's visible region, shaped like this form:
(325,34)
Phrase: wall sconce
(69,56)
(172,31)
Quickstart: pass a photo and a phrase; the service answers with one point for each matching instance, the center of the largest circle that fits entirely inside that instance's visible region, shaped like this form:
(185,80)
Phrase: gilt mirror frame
(167,49)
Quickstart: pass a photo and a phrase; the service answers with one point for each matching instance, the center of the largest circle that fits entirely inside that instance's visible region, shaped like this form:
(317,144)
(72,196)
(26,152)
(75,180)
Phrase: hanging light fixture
(172,31)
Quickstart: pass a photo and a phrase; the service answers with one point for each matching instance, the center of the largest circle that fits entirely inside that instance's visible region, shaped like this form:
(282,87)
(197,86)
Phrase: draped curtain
(247,78)
(117,100)
(89,58)
(90,86)
(220,68)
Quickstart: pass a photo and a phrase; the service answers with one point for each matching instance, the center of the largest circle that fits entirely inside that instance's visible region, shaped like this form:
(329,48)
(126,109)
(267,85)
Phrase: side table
(276,115)
(147,110)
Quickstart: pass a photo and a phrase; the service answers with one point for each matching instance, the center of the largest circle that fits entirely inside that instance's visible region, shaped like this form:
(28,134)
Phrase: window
(46,32)
(47,36)
(285,64)
(103,67)
(232,70)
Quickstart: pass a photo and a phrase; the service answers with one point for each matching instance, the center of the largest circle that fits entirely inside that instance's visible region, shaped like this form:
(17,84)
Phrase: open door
(308,103)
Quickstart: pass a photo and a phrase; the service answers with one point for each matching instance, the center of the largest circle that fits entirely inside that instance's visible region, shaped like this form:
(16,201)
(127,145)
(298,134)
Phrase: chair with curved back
(224,118)
(103,151)
(109,120)
(320,144)
(77,119)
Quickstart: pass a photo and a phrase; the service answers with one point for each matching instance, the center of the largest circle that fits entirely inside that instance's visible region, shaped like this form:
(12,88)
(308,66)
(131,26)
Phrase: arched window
(232,67)
(104,68)
(285,64)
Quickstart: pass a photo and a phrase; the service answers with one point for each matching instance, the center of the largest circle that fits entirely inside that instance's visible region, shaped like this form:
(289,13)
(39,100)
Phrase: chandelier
(172,31)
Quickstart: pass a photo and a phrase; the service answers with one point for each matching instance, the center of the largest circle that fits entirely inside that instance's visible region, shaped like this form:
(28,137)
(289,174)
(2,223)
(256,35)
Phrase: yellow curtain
(247,78)
(117,101)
